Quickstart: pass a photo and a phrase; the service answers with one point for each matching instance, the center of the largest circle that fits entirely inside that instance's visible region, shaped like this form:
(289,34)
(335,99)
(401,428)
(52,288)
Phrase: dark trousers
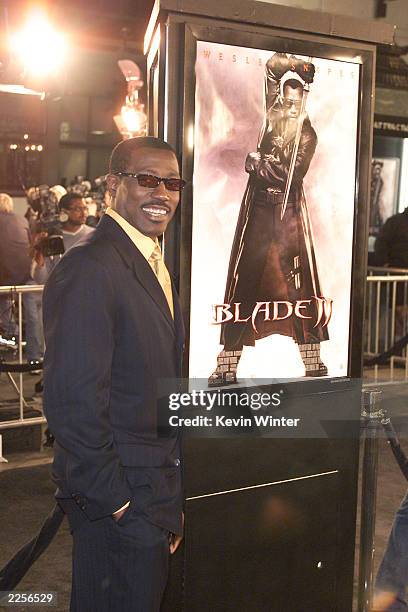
(119,566)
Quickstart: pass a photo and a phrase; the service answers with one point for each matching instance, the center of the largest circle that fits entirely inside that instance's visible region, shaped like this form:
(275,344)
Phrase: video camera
(81,186)
(44,202)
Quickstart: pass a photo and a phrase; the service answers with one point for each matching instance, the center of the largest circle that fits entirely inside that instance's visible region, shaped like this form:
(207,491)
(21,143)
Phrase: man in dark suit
(113,330)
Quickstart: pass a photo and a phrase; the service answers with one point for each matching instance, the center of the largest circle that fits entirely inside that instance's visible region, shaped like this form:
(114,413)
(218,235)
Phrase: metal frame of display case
(237,466)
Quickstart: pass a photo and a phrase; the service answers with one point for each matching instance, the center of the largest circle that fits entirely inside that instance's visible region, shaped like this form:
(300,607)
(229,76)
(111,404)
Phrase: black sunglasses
(150,181)
(288,103)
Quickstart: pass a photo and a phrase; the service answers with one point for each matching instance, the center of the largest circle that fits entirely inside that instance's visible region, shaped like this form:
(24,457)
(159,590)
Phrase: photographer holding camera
(60,224)
(73,217)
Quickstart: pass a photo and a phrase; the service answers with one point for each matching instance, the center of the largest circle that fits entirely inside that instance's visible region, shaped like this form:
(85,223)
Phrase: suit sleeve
(79,335)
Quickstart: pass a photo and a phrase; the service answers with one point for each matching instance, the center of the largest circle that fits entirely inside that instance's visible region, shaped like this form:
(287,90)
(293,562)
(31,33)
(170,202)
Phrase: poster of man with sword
(274,292)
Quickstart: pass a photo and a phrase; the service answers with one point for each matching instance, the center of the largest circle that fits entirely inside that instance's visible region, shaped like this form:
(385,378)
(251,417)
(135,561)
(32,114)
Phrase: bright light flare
(134,119)
(39,47)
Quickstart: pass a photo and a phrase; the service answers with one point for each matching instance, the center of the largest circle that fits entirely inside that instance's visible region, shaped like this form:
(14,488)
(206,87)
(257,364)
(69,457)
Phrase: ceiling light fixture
(132,120)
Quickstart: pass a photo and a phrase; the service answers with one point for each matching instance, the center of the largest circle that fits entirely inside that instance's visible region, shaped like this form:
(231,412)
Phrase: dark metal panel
(279,16)
(247,460)
(165,114)
(188,166)
(281,541)
(359,29)
(174,82)
(259,37)
(152,99)
(321,514)
(230,526)
(162,89)
(360,241)
(172,34)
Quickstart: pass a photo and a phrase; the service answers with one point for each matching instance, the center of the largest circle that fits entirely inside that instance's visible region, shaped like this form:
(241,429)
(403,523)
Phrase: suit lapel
(134,259)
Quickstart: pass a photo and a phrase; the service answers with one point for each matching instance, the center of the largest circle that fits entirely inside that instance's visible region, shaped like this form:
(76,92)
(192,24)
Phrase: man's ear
(113,183)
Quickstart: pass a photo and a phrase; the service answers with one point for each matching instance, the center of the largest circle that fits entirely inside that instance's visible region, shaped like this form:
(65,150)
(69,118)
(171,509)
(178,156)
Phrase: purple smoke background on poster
(229,116)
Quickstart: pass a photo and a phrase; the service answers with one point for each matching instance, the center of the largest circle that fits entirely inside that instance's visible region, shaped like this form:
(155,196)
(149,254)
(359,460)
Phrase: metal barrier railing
(370,421)
(16,294)
(386,325)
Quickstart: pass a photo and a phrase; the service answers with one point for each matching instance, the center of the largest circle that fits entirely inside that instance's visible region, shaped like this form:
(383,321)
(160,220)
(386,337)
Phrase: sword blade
(294,152)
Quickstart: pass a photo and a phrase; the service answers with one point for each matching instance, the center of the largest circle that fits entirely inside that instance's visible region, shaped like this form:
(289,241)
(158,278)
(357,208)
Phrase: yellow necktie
(163,276)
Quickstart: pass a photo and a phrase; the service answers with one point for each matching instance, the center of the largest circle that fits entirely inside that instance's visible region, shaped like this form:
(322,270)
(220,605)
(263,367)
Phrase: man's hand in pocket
(119,513)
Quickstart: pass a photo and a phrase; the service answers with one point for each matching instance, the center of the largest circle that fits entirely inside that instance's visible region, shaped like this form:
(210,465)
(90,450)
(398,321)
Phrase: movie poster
(384,191)
(273,208)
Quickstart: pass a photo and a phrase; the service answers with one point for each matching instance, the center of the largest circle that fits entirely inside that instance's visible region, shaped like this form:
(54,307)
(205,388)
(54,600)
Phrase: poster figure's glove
(277,65)
(280,63)
(252,162)
(305,70)
(274,157)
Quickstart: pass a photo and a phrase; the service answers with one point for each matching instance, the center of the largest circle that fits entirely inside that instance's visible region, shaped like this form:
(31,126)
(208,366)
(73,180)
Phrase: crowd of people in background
(22,262)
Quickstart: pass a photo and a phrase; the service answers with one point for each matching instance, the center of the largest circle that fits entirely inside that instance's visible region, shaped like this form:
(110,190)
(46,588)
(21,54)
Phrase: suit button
(83,506)
(177,462)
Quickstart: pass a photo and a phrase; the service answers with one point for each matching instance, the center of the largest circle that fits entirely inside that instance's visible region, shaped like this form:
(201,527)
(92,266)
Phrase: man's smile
(156,211)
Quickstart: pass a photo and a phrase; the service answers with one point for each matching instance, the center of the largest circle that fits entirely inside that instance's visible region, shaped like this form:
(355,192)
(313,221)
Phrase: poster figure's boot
(310,354)
(226,370)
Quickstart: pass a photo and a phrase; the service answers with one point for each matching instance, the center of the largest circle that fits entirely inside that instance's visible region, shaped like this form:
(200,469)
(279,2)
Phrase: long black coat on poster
(274,259)
(110,339)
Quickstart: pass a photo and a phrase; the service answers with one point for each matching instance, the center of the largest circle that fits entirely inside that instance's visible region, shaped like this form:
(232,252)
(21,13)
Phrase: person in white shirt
(74,231)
